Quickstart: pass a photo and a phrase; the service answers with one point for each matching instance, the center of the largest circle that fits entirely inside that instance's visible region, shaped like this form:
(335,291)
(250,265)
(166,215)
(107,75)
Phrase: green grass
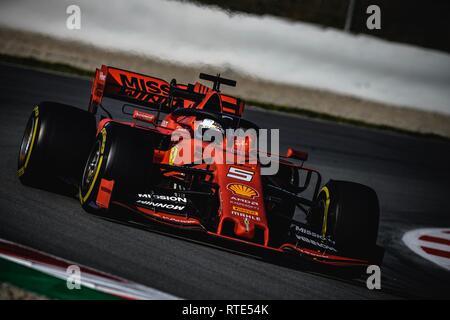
(44,284)
(61,67)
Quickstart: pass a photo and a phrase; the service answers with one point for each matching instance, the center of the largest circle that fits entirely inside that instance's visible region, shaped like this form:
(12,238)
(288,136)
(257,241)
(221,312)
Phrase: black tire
(120,153)
(348,213)
(281,214)
(55,145)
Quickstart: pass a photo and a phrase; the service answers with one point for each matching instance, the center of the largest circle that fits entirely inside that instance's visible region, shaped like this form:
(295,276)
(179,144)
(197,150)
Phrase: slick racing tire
(348,213)
(55,145)
(282,213)
(122,154)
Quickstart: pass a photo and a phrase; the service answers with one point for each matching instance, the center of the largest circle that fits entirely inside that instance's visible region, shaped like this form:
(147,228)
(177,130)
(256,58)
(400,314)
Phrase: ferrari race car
(131,165)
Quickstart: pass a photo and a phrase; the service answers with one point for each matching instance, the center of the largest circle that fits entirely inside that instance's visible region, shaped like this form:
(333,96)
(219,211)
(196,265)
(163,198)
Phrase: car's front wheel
(122,155)
(347,213)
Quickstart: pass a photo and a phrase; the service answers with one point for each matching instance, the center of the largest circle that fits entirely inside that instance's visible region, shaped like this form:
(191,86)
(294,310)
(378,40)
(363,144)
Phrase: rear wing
(152,92)
(127,86)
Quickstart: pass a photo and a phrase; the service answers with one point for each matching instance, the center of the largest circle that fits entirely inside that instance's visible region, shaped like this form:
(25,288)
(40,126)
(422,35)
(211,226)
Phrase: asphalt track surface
(410,174)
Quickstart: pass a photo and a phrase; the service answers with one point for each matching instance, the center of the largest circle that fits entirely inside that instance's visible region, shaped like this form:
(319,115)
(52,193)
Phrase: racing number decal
(240,174)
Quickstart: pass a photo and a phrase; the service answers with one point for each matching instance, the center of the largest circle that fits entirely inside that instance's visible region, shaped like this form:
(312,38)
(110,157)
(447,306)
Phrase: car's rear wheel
(348,213)
(55,145)
(122,154)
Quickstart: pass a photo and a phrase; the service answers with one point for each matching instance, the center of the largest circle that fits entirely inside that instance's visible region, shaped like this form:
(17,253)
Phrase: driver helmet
(207,124)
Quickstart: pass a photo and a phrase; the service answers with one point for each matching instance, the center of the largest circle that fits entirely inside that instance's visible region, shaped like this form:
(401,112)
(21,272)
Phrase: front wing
(302,243)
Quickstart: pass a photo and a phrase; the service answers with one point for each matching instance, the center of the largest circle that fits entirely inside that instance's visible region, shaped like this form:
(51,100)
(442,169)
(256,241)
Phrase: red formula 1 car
(124,167)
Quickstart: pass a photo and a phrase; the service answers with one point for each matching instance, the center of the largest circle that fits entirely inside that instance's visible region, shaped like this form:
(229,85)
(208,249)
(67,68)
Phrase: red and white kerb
(431,244)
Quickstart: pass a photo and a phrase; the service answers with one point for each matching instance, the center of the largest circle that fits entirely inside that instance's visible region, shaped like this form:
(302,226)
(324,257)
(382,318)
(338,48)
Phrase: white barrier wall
(267,48)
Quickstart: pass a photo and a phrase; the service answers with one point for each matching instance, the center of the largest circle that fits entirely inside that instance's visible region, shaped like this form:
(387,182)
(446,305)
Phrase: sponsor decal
(143,116)
(316,243)
(176,219)
(244,202)
(244,210)
(245,216)
(161,205)
(242,190)
(162,197)
(143,83)
(303,235)
(300,230)
(141,87)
